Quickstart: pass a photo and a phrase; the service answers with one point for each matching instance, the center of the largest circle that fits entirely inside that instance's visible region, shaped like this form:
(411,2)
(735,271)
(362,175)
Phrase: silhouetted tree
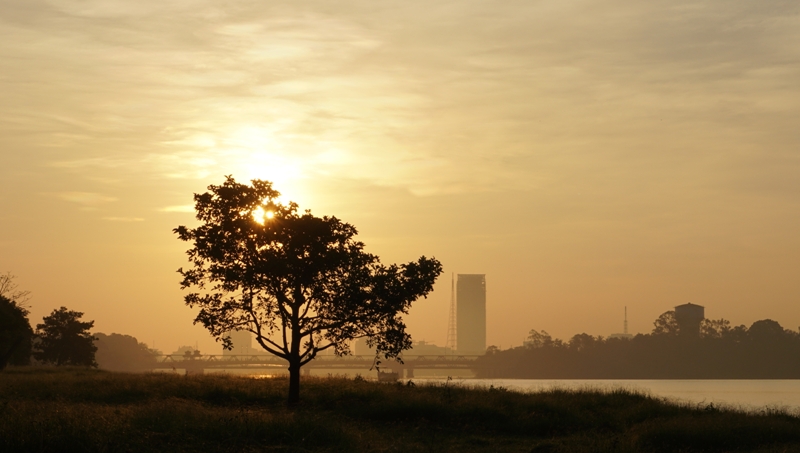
(10,290)
(63,339)
(15,329)
(666,324)
(15,334)
(301,284)
(583,341)
(118,352)
(714,328)
(766,330)
(538,339)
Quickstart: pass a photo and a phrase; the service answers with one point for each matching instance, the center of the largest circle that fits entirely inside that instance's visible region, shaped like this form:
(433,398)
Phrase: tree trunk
(294,383)
(294,355)
(7,356)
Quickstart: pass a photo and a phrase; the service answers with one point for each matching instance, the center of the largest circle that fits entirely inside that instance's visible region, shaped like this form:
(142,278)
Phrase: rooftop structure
(689,316)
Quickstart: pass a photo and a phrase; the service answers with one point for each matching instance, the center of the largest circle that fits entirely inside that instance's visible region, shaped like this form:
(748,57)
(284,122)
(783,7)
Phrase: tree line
(765,350)
(62,338)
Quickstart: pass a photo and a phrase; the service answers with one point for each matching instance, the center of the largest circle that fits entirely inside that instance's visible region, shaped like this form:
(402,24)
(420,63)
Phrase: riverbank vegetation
(765,350)
(51,409)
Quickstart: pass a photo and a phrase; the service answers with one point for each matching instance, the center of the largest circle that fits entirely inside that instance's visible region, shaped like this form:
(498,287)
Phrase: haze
(584,155)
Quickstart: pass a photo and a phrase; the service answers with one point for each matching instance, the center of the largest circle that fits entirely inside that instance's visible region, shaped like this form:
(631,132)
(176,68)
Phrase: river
(742,394)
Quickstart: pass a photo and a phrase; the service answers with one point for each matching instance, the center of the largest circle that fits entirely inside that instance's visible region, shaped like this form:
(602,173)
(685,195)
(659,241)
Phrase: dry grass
(86,410)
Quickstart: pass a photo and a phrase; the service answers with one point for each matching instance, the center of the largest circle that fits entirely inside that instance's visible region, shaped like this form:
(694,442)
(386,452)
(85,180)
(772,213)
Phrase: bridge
(198,363)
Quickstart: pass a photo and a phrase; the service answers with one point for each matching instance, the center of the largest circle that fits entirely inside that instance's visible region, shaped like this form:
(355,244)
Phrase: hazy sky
(585,155)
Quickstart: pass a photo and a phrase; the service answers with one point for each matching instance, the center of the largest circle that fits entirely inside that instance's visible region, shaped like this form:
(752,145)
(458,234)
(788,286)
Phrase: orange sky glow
(585,155)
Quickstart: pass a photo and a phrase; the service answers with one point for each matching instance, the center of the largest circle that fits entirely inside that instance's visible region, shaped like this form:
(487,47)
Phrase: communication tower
(625,325)
(624,335)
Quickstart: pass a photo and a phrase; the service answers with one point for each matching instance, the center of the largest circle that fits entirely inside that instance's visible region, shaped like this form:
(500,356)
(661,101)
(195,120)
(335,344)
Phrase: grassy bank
(87,410)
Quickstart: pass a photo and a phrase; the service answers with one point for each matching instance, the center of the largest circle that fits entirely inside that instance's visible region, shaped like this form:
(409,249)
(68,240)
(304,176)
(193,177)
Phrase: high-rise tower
(242,343)
(452,338)
(471,313)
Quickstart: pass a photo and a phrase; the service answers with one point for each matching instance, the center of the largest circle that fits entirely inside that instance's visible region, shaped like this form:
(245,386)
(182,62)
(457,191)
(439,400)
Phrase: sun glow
(251,152)
(258,152)
(261,215)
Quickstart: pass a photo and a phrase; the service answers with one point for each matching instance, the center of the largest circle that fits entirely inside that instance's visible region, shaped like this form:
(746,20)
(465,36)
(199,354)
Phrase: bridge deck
(332,362)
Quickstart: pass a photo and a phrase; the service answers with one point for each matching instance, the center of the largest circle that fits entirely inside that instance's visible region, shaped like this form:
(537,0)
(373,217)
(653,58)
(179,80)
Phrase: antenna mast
(625,326)
(451,343)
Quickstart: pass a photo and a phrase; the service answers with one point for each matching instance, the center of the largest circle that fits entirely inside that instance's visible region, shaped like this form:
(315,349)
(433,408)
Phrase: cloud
(181,208)
(124,219)
(465,98)
(86,198)
(94,162)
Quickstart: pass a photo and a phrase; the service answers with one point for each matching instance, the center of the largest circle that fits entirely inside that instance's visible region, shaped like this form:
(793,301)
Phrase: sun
(260,215)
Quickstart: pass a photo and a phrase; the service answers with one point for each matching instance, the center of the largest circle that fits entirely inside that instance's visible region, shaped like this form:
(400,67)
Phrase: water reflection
(742,394)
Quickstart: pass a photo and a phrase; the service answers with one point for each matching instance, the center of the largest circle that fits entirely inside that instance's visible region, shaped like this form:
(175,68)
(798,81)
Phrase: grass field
(57,410)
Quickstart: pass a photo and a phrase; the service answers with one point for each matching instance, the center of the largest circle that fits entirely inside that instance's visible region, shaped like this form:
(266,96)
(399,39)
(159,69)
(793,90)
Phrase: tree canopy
(15,329)
(15,334)
(117,352)
(666,324)
(63,339)
(300,283)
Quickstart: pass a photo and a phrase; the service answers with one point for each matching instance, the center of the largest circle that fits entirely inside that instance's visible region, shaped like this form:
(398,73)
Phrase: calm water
(745,394)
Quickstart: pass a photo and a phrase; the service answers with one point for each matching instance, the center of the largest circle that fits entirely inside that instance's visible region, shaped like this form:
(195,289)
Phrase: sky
(585,155)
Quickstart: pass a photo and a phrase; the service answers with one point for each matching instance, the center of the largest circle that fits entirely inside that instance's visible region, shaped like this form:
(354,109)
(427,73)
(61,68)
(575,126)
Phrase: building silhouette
(242,343)
(471,313)
(689,316)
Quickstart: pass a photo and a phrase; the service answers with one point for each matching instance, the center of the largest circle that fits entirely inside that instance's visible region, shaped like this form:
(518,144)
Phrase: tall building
(242,343)
(471,313)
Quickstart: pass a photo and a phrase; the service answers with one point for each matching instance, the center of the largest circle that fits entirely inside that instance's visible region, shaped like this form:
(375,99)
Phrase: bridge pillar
(306,371)
(409,373)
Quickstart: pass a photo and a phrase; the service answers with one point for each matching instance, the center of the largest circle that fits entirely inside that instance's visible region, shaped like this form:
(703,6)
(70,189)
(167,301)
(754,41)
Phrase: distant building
(361,348)
(242,343)
(624,336)
(471,313)
(689,316)
(422,347)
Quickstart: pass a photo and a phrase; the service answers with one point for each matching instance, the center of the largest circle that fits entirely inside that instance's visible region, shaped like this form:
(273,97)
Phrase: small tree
(301,284)
(65,340)
(15,334)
